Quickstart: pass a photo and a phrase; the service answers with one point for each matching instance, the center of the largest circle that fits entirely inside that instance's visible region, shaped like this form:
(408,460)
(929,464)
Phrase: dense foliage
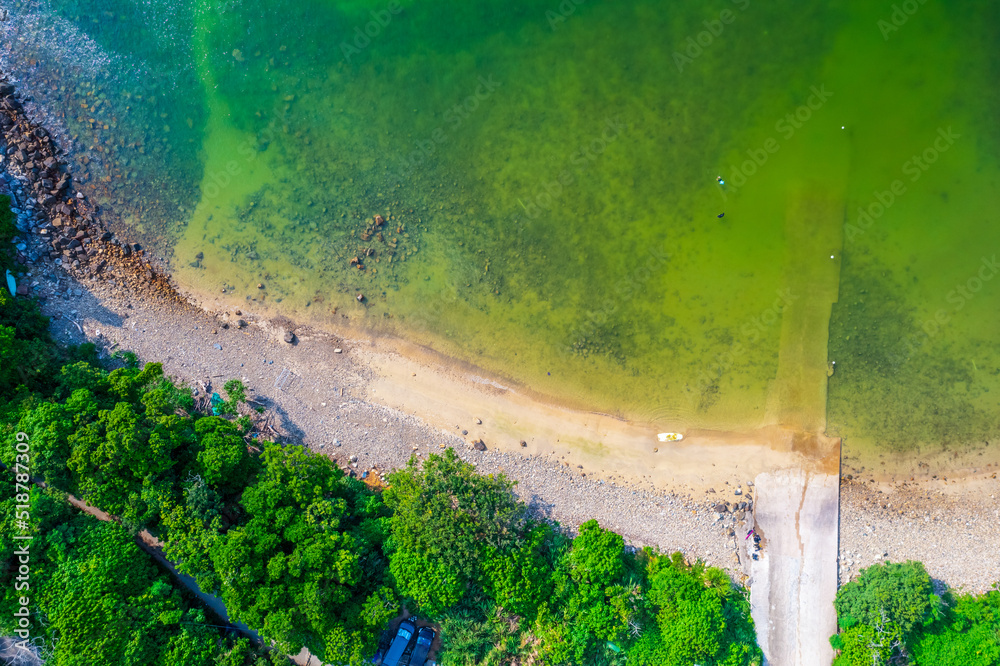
(298,550)
(289,542)
(28,358)
(509,589)
(98,599)
(890,614)
(303,564)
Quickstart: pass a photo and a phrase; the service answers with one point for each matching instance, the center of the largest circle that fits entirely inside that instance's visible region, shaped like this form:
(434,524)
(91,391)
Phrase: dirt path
(154,548)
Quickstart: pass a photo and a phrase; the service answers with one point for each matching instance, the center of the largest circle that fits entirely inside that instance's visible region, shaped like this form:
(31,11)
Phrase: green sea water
(547,173)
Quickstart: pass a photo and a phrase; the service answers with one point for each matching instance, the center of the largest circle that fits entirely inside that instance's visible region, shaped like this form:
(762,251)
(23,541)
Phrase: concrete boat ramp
(794,580)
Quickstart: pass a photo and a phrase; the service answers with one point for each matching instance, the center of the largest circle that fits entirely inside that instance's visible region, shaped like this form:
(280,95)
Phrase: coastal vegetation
(309,556)
(96,598)
(891,614)
(300,551)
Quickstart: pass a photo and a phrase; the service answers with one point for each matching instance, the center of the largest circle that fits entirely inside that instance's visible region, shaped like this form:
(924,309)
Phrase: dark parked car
(424,639)
(399,644)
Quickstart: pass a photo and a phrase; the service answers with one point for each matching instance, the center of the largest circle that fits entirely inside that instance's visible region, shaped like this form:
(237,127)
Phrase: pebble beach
(104,290)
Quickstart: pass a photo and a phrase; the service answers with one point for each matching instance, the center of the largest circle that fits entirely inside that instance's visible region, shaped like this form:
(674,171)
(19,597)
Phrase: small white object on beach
(670,437)
(338,350)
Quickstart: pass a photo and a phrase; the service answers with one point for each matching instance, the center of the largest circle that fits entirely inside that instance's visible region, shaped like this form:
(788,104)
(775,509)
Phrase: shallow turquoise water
(548,184)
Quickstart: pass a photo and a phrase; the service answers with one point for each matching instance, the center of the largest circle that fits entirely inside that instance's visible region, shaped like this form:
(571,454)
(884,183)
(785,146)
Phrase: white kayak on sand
(670,437)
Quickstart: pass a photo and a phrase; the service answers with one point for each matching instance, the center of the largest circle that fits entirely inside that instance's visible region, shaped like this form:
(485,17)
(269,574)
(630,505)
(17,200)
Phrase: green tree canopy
(293,570)
(445,519)
(899,595)
(967,634)
(96,599)
(890,610)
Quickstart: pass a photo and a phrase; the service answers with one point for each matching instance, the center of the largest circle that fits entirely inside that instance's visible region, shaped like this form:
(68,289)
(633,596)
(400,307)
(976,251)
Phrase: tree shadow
(102,315)
(538,508)
(86,305)
(286,430)
(939,587)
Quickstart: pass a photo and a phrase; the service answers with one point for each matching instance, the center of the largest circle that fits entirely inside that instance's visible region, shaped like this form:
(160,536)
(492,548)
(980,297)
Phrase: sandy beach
(370,403)
(228,198)
(373,405)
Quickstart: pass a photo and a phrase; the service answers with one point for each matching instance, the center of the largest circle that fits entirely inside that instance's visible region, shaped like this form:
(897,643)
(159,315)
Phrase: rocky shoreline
(61,226)
(114,294)
(952,527)
(65,226)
